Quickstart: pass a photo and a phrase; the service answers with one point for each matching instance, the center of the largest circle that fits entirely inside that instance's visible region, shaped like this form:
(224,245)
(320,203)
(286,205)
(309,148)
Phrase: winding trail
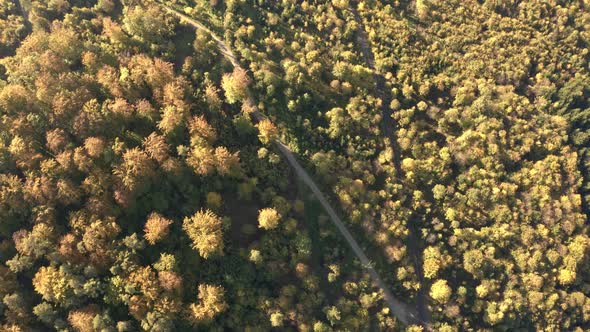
(404,313)
(389,128)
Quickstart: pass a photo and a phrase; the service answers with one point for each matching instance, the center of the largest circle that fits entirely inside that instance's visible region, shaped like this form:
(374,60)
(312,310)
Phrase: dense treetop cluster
(136,192)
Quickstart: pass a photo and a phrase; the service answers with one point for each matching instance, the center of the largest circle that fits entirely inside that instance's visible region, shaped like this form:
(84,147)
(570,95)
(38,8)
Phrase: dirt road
(404,313)
(389,129)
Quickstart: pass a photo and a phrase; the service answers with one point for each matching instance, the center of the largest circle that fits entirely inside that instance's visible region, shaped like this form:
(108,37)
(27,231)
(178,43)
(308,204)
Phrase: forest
(294,165)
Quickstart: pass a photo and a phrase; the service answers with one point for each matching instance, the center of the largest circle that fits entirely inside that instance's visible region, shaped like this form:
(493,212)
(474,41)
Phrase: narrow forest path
(403,312)
(389,128)
(23,11)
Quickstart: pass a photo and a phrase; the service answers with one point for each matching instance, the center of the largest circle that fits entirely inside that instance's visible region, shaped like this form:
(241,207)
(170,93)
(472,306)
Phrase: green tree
(235,85)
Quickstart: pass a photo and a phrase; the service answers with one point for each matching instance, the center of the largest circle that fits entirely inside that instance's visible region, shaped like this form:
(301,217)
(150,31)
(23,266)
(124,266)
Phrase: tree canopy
(139,191)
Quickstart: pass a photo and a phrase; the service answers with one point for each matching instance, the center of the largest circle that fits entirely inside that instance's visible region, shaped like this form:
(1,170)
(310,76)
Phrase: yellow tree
(156,147)
(156,228)
(267,131)
(94,146)
(211,303)
(200,129)
(440,291)
(212,97)
(226,162)
(268,218)
(56,140)
(53,284)
(171,118)
(201,159)
(204,229)
(136,168)
(81,319)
